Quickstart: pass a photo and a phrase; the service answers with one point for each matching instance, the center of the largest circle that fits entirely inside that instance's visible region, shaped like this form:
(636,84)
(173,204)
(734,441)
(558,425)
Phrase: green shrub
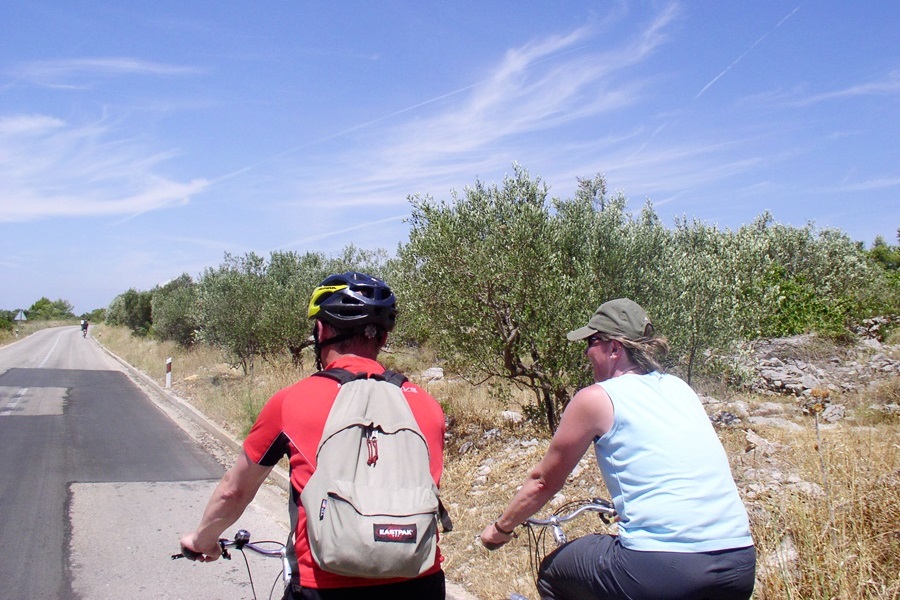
(173,310)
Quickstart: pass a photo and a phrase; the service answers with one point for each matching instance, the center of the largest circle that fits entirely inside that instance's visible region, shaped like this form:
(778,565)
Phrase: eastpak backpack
(372,506)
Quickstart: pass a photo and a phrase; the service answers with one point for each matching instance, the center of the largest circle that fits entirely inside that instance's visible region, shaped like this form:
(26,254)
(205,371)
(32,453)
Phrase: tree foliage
(173,311)
(132,309)
(289,281)
(230,301)
(47,310)
(496,276)
(98,315)
(493,277)
(248,306)
(886,255)
(491,280)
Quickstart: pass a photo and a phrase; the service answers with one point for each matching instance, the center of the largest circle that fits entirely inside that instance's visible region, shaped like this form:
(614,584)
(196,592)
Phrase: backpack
(372,506)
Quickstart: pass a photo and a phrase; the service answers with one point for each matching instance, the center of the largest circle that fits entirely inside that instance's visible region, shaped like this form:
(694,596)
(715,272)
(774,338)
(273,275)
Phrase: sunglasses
(594,340)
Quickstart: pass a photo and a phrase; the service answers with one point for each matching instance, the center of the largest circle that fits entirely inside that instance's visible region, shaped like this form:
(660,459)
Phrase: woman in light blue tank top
(683,530)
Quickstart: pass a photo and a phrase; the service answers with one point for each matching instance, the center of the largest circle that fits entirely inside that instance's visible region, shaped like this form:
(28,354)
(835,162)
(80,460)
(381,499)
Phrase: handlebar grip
(188,554)
(491,545)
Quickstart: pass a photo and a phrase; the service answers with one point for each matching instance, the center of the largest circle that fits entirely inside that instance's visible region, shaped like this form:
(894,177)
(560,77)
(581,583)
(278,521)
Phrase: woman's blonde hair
(647,352)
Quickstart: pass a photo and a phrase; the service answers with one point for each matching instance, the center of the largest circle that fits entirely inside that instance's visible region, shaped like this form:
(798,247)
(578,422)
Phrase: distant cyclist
(683,530)
(84,327)
(353,315)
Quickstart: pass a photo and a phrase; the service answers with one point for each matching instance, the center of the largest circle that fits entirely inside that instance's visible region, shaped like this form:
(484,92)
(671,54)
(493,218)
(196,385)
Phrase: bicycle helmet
(351,300)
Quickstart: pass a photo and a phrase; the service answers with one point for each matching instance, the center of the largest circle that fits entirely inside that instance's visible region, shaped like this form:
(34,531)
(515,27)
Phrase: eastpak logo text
(402,534)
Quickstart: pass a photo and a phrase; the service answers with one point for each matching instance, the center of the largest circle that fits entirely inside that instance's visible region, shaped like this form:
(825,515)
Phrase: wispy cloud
(548,83)
(872,184)
(889,85)
(75,72)
(28,125)
(49,168)
(160,194)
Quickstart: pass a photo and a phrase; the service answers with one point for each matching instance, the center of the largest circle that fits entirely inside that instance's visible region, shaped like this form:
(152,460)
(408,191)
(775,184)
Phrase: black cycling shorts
(598,567)
(429,587)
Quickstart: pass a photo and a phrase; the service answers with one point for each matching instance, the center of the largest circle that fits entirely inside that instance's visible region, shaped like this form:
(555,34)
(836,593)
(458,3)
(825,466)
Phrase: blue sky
(141,140)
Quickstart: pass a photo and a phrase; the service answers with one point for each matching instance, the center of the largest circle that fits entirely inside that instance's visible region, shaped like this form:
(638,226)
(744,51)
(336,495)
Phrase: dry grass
(26,328)
(893,337)
(803,551)
(855,554)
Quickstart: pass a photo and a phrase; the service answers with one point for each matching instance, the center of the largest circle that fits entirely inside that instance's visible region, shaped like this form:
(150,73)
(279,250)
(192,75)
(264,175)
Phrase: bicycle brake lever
(606,518)
(225,554)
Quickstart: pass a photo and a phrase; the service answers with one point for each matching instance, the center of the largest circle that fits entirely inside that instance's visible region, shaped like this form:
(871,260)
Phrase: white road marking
(14,403)
(50,352)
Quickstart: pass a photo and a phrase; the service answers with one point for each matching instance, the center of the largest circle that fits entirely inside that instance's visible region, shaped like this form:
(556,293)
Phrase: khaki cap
(620,318)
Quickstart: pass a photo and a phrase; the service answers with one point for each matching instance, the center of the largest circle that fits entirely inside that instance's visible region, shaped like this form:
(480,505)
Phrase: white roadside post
(169,372)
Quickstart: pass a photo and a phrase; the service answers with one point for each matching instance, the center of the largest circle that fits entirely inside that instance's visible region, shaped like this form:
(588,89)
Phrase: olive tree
(804,279)
(289,281)
(495,277)
(230,302)
(700,306)
(173,311)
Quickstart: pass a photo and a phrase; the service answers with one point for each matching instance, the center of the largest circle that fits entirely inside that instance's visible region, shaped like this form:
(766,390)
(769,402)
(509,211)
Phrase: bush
(173,310)
(133,310)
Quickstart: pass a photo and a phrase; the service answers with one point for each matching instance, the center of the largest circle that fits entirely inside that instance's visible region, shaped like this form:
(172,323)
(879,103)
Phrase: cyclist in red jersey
(353,315)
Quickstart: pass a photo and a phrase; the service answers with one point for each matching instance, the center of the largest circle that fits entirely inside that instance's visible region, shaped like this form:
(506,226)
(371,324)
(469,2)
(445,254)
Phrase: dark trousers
(429,587)
(598,567)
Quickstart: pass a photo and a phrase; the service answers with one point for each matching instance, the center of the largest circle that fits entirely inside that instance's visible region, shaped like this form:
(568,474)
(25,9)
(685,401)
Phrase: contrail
(739,58)
(322,236)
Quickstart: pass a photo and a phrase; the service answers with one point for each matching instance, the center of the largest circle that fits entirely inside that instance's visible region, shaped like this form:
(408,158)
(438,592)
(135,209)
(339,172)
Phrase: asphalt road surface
(97,482)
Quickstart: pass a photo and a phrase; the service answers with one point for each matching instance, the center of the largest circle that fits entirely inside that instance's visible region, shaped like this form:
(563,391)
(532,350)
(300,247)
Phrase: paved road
(96,482)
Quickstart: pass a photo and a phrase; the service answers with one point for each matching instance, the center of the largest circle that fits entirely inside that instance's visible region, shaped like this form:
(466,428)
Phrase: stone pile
(784,367)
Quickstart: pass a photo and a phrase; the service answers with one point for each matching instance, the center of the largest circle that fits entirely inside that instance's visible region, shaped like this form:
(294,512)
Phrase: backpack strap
(444,516)
(394,377)
(343,376)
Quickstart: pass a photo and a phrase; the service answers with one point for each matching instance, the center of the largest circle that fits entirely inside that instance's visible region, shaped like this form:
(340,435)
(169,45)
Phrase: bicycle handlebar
(241,541)
(603,508)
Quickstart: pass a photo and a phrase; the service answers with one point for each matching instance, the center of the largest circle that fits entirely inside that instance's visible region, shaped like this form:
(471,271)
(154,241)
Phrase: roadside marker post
(169,372)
